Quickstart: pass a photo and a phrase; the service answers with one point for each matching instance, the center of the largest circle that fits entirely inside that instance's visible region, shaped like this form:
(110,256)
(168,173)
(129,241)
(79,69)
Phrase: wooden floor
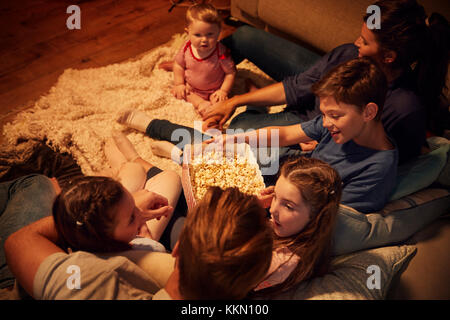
(36,46)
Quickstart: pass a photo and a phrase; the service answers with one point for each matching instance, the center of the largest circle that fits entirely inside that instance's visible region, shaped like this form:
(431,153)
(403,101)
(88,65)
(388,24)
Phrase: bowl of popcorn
(234,166)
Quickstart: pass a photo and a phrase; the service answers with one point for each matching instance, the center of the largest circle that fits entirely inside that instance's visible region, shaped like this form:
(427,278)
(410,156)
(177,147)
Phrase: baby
(203,70)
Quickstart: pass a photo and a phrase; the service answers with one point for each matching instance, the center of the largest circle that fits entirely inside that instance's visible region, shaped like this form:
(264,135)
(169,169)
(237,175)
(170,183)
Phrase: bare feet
(166,149)
(134,119)
(166,65)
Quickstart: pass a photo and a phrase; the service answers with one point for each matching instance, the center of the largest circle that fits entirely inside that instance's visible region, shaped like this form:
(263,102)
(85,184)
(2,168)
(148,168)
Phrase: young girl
(303,213)
(97,214)
(203,69)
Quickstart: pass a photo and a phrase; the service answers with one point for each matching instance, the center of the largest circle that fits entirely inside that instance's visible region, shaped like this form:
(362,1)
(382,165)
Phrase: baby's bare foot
(166,65)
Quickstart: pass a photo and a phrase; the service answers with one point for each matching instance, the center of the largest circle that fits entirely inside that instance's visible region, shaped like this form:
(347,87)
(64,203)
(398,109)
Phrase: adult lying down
(234,241)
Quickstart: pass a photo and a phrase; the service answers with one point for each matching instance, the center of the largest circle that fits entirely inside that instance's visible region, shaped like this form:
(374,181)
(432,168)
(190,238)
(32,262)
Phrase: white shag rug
(80,110)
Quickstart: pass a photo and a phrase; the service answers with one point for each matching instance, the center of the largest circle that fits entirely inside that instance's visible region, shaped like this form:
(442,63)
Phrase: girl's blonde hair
(225,248)
(320,187)
(203,12)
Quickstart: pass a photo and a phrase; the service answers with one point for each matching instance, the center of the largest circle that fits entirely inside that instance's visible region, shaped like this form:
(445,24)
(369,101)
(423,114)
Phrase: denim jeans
(177,134)
(22,201)
(276,56)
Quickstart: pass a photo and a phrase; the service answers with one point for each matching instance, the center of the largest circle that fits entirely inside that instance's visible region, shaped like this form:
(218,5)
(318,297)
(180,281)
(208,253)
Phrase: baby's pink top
(208,73)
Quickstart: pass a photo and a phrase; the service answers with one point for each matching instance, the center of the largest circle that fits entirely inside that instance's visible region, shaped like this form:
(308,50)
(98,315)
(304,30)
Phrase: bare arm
(222,93)
(179,87)
(273,136)
(287,136)
(28,247)
(178,74)
(267,96)
(228,82)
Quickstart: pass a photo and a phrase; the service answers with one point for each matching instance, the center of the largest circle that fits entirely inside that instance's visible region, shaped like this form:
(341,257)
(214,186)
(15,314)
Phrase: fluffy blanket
(80,110)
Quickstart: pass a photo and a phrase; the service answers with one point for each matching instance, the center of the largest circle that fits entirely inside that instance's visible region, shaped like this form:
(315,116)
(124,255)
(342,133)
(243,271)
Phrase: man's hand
(152,205)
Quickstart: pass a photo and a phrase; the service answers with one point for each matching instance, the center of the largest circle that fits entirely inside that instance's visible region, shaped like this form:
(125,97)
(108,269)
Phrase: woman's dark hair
(419,44)
(85,213)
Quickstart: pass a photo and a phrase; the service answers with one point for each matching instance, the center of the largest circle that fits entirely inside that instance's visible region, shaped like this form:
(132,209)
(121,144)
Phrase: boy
(350,133)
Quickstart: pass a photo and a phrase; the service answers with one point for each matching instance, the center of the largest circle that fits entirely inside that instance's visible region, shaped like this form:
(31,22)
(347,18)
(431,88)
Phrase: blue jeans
(276,56)
(22,201)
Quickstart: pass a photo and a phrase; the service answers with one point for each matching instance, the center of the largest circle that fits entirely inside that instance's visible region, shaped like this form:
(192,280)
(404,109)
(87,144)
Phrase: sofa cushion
(436,142)
(353,276)
(420,172)
(322,24)
(399,220)
(250,7)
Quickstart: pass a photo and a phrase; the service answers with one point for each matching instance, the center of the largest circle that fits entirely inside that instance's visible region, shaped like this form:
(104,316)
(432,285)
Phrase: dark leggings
(177,134)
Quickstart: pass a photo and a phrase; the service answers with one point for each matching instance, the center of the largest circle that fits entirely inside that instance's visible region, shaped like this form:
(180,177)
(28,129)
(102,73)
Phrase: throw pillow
(362,275)
(420,172)
(399,220)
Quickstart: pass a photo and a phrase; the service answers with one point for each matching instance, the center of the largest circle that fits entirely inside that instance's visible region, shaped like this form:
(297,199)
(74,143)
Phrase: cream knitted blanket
(80,110)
